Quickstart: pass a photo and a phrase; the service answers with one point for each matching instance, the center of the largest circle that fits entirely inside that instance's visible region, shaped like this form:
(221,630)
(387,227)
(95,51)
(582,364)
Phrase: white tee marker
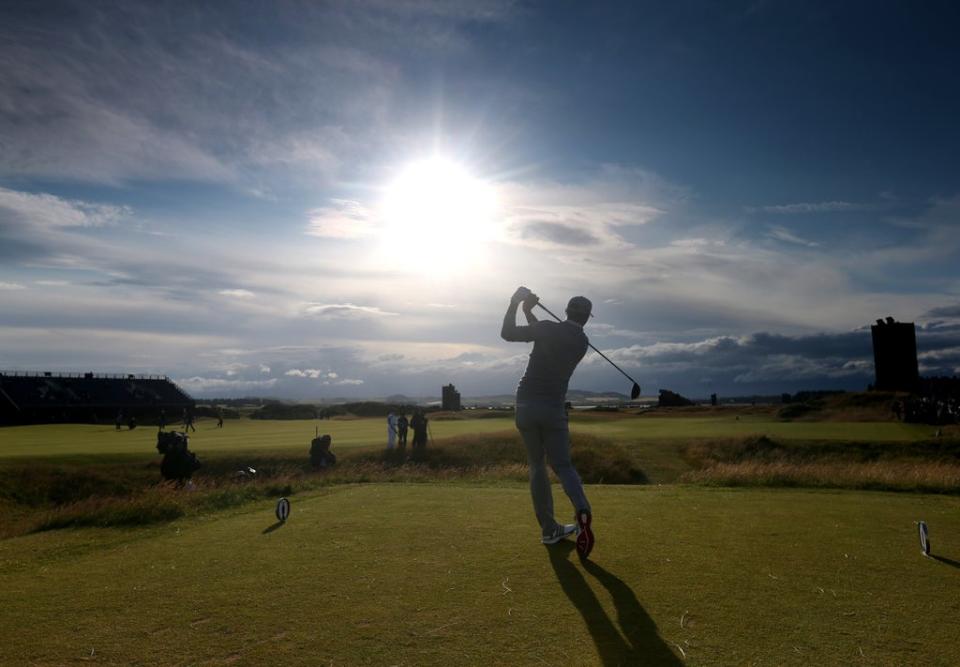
(283,509)
(924,538)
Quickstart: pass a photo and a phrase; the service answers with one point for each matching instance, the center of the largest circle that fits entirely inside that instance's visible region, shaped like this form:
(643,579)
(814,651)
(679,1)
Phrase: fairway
(265,435)
(453,574)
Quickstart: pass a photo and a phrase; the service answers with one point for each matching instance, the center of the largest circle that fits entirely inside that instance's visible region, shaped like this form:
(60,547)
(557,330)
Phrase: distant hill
(575,396)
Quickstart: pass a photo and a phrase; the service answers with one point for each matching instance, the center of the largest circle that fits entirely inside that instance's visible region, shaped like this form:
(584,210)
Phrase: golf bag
(320,454)
(179,463)
(170,439)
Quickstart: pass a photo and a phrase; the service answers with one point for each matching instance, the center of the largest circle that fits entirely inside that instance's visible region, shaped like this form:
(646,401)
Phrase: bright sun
(438,214)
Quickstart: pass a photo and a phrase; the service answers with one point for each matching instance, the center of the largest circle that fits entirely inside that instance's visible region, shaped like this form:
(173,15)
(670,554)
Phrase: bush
(285,411)
(215,411)
(795,410)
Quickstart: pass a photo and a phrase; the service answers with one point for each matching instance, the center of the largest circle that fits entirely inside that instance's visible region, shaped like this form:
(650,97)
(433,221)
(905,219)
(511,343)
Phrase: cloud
(264,369)
(346,311)
(944,311)
(327,378)
(602,330)
(46,211)
(342,219)
(295,108)
(760,358)
(200,384)
(313,373)
(556,232)
(11,286)
(237,293)
(783,234)
(812,207)
(594,212)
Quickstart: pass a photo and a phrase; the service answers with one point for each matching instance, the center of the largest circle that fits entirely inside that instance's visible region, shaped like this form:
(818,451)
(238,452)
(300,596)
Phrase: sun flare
(437,211)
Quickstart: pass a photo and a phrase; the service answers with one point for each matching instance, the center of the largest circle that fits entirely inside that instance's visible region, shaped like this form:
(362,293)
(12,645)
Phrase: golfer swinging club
(541,417)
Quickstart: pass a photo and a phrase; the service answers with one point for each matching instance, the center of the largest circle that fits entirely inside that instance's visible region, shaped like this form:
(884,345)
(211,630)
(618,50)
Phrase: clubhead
(635,392)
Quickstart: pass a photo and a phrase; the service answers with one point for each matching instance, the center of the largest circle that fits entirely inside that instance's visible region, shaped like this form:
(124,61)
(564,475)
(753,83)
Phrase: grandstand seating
(27,397)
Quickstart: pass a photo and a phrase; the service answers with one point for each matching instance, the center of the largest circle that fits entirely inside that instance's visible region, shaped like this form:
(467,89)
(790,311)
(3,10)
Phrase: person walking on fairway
(541,416)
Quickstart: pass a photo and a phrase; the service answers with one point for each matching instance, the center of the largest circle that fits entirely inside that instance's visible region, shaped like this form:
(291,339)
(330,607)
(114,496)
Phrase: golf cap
(581,305)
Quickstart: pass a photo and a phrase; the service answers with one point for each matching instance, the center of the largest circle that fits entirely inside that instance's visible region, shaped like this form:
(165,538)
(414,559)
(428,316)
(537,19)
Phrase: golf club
(635,391)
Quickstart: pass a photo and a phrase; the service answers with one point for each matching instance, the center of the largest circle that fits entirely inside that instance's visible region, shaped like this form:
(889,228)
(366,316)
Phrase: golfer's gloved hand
(530,301)
(520,295)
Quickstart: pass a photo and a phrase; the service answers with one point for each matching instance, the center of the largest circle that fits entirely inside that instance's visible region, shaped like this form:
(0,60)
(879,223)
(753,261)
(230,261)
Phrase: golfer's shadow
(636,642)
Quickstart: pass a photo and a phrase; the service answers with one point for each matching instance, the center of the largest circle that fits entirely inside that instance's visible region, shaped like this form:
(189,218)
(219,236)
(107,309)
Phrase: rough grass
(122,489)
(46,497)
(927,466)
(598,460)
(846,407)
(876,476)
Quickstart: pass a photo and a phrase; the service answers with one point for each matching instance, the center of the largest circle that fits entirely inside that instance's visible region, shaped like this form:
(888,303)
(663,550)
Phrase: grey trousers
(546,436)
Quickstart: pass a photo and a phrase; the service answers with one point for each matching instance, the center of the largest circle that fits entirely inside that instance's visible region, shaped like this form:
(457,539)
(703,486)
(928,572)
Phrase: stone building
(451,398)
(895,355)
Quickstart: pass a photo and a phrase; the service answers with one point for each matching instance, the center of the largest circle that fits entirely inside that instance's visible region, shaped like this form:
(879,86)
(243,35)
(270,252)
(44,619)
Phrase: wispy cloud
(326,378)
(237,293)
(344,311)
(210,385)
(11,286)
(812,207)
(313,373)
(342,219)
(785,235)
(86,113)
(47,211)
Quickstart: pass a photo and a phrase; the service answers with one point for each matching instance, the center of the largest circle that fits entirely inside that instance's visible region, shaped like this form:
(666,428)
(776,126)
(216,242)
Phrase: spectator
(402,426)
(419,425)
(391,430)
(320,454)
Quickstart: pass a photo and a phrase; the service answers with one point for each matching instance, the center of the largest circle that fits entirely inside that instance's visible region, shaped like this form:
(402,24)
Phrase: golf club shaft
(591,346)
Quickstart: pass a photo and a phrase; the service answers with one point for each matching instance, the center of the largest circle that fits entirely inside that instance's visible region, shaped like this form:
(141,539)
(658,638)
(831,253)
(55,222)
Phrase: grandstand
(44,397)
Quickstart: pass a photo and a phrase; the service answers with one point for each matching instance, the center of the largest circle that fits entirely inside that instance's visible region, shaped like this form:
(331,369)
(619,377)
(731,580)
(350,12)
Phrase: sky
(311,200)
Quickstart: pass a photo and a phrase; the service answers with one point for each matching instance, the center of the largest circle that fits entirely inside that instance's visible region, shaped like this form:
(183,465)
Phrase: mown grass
(453,574)
(254,436)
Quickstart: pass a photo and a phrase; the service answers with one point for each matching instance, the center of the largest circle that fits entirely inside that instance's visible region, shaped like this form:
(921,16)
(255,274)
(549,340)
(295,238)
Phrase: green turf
(260,435)
(653,428)
(452,574)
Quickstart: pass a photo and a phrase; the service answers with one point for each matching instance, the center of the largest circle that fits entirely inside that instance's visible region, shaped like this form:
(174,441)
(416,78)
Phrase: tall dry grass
(926,477)
(929,466)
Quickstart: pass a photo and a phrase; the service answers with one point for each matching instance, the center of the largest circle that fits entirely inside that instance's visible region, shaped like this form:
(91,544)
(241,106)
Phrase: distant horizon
(644,397)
